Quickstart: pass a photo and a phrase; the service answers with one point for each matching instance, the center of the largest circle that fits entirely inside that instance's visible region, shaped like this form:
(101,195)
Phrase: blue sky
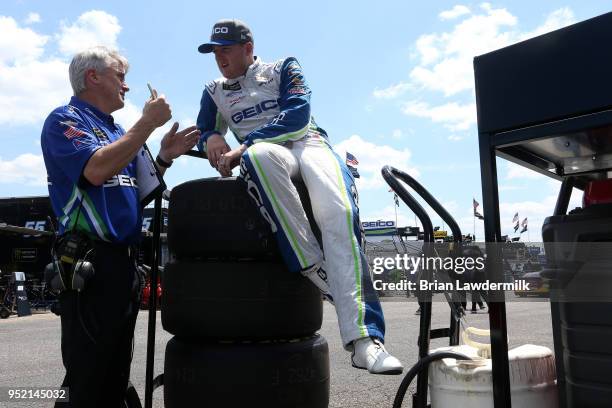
(392,83)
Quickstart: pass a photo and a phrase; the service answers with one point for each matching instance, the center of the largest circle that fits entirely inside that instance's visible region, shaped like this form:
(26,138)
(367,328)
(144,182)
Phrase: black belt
(116,248)
(111,248)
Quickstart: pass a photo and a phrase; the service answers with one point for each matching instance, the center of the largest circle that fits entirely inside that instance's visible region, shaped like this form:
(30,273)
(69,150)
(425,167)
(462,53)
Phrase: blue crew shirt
(111,212)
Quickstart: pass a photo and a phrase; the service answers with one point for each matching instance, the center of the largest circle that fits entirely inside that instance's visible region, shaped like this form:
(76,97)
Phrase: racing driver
(267,107)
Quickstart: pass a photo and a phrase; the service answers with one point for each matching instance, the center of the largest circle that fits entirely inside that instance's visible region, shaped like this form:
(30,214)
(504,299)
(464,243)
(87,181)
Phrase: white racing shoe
(318,277)
(370,354)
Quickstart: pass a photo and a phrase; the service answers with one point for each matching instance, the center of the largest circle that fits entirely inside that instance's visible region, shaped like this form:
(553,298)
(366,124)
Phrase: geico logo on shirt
(121,180)
(254,110)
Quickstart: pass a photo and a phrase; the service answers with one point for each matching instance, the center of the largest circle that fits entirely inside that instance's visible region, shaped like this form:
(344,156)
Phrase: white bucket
(454,383)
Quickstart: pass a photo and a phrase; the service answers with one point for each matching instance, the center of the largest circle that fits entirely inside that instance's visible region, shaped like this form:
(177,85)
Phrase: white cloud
(392,91)
(509,187)
(445,59)
(535,209)
(32,18)
(32,85)
(514,171)
(372,158)
(455,138)
(450,76)
(457,11)
(94,27)
(30,90)
(555,20)
(453,51)
(426,47)
(396,134)
(452,115)
(28,169)
(19,45)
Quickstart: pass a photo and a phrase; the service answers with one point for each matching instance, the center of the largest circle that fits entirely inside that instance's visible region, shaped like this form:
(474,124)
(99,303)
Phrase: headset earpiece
(83,272)
(53,276)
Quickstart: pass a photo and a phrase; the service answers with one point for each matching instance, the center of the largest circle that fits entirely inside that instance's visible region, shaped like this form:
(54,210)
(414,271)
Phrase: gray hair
(98,58)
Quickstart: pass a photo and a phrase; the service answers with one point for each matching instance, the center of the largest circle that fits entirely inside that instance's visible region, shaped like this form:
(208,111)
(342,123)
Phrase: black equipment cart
(546,104)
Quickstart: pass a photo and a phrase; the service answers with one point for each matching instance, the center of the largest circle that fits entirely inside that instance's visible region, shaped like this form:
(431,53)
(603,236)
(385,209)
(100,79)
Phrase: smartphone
(151,91)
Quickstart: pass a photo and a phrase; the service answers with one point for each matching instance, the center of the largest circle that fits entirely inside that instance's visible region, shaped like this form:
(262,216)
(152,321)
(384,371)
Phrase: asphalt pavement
(30,350)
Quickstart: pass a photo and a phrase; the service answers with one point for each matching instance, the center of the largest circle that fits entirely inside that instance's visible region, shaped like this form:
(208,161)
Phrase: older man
(91,164)
(267,107)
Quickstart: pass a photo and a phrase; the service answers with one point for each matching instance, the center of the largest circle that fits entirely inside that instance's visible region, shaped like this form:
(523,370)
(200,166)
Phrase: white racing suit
(268,109)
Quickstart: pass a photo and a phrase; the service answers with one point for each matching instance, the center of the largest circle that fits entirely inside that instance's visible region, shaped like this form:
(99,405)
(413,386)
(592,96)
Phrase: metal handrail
(390,174)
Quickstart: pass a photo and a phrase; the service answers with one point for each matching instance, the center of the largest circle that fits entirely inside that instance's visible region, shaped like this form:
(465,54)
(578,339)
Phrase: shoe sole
(328,298)
(390,372)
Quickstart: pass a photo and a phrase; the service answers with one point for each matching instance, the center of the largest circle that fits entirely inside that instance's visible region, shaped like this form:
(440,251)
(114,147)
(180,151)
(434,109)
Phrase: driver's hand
(215,147)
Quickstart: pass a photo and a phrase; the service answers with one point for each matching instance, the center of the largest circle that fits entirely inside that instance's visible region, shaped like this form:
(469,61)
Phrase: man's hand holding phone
(156,110)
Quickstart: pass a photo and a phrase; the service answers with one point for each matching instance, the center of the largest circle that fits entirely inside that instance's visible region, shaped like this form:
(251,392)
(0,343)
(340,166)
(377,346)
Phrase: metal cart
(544,104)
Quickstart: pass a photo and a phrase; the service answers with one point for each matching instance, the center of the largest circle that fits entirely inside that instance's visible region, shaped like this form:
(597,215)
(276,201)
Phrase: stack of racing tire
(244,327)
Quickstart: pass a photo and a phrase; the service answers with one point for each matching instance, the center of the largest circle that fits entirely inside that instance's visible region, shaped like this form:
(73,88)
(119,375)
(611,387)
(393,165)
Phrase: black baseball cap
(227,32)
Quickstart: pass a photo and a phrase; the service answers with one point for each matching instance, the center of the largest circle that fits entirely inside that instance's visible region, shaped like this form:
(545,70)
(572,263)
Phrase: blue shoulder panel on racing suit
(292,122)
(71,135)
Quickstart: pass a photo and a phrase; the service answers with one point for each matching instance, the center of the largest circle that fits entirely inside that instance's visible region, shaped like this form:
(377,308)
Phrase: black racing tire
(238,300)
(216,218)
(132,400)
(4,313)
(291,374)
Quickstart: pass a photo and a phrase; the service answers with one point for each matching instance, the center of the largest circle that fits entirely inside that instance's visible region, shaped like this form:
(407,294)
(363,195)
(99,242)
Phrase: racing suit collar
(253,67)
(76,102)
(250,72)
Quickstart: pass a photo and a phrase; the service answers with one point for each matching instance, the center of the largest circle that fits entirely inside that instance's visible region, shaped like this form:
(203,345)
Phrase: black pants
(97,330)
(477,299)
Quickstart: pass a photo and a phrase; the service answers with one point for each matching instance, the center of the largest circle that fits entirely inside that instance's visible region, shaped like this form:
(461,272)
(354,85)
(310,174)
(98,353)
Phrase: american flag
(524,225)
(477,214)
(475,204)
(516,218)
(351,160)
(73,132)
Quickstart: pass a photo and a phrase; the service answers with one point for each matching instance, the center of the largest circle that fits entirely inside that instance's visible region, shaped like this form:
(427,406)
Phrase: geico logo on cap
(220,30)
